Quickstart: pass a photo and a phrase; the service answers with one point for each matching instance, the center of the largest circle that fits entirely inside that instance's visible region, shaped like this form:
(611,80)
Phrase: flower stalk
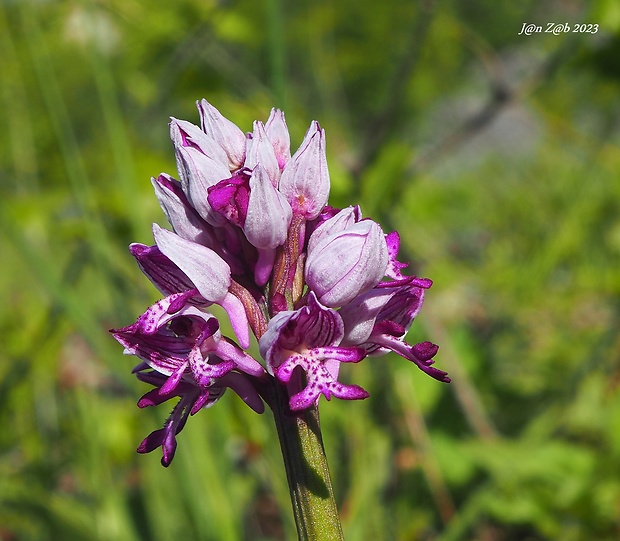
(316,286)
(307,471)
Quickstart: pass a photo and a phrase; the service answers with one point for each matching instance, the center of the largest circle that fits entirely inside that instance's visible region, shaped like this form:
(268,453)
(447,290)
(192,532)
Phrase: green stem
(312,496)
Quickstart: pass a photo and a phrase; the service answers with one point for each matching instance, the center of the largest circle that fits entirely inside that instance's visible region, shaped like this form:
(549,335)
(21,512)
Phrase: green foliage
(495,156)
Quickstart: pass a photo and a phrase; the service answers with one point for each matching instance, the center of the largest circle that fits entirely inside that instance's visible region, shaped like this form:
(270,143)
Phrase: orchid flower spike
(251,231)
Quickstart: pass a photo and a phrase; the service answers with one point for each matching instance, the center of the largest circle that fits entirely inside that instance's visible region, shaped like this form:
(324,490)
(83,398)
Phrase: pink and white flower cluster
(252,232)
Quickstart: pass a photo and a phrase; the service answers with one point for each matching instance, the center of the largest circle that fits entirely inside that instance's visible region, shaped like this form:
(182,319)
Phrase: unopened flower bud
(277,131)
(260,151)
(347,263)
(225,132)
(305,180)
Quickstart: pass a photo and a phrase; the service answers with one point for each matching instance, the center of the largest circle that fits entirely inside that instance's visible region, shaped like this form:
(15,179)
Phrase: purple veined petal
(186,134)
(308,327)
(311,326)
(268,343)
(269,214)
(261,151)
(403,306)
(305,179)
(318,325)
(153,319)
(226,133)
(277,131)
(207,270)
(184,219)
(346,264)
(162,272)
(141,338)
(341,221)
(360,314)
(165,334)
(197,173)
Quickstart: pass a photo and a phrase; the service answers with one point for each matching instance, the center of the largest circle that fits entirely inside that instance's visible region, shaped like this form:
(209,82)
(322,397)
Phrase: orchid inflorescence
(253,233)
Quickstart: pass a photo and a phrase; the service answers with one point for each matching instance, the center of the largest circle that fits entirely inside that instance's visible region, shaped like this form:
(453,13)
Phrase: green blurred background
(495,155)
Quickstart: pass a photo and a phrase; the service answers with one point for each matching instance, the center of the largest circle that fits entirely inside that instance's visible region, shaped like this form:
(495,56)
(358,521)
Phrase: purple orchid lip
(309,338)
(314,286)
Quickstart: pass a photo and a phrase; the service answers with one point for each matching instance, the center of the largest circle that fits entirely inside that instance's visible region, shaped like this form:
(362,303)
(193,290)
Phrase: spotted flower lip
(252,232)
(189,359)
(308,338)
(174,338)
